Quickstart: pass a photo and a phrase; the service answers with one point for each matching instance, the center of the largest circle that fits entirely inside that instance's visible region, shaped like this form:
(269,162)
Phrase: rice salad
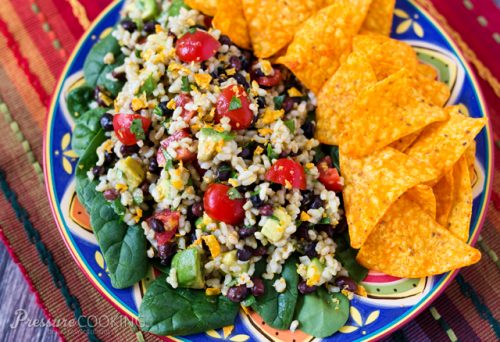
(211,151)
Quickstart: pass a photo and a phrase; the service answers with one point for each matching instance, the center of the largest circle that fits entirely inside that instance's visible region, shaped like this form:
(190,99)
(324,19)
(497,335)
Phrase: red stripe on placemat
(31,286)
(24,64)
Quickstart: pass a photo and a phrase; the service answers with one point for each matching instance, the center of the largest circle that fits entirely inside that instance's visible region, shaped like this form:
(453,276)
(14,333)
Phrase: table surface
(21,319)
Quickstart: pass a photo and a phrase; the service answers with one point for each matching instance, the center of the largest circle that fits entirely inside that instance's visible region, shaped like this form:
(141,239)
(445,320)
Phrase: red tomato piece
(170,220)
(285,171)
(182,153)
(122,123)
(241,115)
(270,81)
(196,47)
(181,101)
(219,206)
(329,176)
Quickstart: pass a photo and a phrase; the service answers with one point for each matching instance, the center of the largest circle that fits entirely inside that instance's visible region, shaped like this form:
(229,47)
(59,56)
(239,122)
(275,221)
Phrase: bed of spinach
(87,126)
(275,308)
(78,100)
(347,257)
(322,313)
(168,311)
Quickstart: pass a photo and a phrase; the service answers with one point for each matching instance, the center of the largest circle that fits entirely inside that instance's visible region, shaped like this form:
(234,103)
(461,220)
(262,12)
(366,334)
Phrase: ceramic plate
(391,302)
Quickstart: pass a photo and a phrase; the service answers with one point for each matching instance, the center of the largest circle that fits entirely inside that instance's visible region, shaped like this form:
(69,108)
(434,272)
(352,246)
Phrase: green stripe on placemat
(485,248)
(485,312)
(85,324)
(443,324)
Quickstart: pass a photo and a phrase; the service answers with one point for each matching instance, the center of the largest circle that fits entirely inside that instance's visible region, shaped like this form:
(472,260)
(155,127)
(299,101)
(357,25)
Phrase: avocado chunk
(133,171)
(149,9)
(230,259)
(211,143)
(275,226)
(187,264)
(313,273)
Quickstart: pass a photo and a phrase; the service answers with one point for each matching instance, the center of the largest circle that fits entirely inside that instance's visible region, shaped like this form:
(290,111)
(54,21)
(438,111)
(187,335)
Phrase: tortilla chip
(230,20)
(408,243)
(379,18)
(443,143)
(384,113)
(338,94)
(424,197)
(434,91)
(427,71)
(208,7)
(404,143)
(387,56)
(443,190)
(322,40)
(470,155)
(372,185)
(461,210)
(273,23)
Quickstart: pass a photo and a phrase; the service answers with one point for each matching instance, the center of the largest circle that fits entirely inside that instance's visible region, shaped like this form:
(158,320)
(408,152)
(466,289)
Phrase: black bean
(109,157)
(145,189)
(245,232)
(258,288)
(256,201)
(166,112)
(244,254)
(129,25)
(246,153)
(288,104)
(308,129)
(106,122)
(156,225)
(327,228)
(245,188)
(346,283)
(260,251)
(304,289)
(110,194)
(197,209)
(302,231)
(235,62)
(316,202)
(256,73)
(120,76)
(97,97)
(246,59)
(165,252)
(98,171)
(310,250)
(153,166)
(276,187)
(237,294)
(241,80)
(225,40)
(224,172)
(150,27)
(266,210)
(341,226)
(129,150)
(261,102)
(283,154)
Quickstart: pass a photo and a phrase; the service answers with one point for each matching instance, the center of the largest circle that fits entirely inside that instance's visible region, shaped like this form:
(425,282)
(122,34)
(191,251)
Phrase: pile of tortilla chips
(407,160)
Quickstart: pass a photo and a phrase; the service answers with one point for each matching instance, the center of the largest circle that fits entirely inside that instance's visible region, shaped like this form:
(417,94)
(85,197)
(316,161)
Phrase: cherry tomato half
(170,220)
(180,101)
(122,123)
(329,176)
(285,171)
(219,206)
(196,47)
(182,153)
(271,80)
(235,97)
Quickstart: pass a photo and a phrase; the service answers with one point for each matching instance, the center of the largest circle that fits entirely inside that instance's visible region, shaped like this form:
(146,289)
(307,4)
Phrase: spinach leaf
(78,100)
(168,311)
(334,153)
(86,128)
(96,71)
(148,86)
(277,308)
(175,7)
(123,247)
(321,313)
(85,189)
(347,257)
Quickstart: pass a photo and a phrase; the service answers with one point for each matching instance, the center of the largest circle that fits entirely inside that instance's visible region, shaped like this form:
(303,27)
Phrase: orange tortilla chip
(424,197)
(338,94)
(322,40)
(379,18)
(427,71)
(230,20)
(408,243)
(443,190)
(443,143)
(384,113)
(404,143)
(273,23)
(461,210)
(470,155)
(373,184)
(434,91)
(208,7)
